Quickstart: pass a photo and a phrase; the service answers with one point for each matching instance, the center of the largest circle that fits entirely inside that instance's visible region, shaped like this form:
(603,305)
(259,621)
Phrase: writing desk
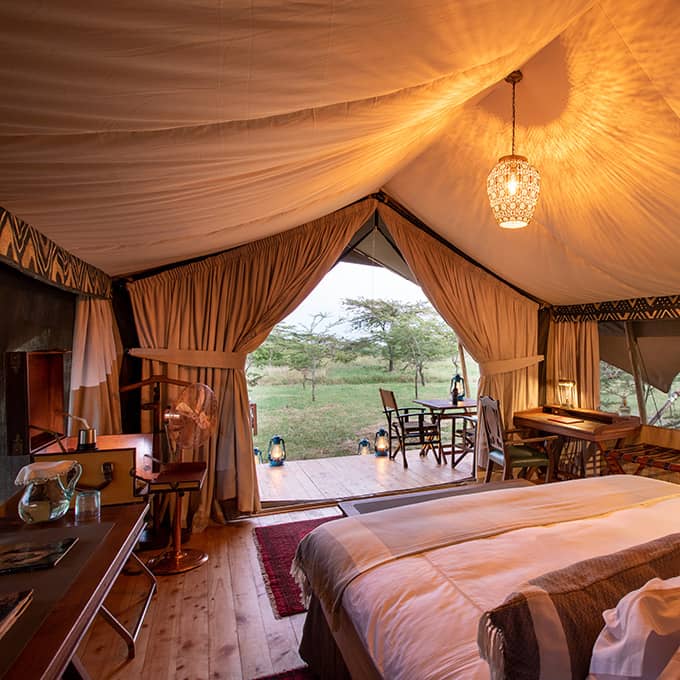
(444,409)
(594,429)
(41,645)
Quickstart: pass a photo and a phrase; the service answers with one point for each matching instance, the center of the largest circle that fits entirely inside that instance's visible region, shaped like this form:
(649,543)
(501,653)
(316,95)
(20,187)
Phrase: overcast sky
(353,281)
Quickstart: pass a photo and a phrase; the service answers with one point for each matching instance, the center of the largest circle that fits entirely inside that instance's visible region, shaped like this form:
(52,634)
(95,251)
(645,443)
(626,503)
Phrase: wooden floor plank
(346,476)
(161,661)
(123,668)
(252,639)
(224,657)
(194,650)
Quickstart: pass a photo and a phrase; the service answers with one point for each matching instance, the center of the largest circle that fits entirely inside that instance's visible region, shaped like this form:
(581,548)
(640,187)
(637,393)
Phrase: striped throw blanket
(546,630)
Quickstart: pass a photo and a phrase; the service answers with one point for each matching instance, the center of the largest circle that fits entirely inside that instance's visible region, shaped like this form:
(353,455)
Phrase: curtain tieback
(192,357)
(487,368)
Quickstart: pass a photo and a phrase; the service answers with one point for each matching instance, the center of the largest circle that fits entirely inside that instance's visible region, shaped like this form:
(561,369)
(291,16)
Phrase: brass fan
(192,419)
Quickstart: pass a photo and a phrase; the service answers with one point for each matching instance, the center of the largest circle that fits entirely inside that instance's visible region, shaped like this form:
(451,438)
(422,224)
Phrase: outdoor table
(444,409)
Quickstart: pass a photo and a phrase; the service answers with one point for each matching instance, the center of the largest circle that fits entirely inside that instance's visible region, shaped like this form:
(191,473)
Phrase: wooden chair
(512,453)
(464,437)
(412,427)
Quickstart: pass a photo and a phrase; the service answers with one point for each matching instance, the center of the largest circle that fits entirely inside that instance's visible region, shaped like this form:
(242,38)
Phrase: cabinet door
(35,400)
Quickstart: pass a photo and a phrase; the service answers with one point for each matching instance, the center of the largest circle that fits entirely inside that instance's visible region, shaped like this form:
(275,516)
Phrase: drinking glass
(88,505)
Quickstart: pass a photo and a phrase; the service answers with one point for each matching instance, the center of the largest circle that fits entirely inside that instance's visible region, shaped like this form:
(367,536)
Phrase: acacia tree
(376,318)
(420,336)
(309,347)
(272,352)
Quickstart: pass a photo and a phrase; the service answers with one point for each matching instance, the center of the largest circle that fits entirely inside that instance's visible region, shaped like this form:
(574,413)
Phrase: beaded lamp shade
(513,184)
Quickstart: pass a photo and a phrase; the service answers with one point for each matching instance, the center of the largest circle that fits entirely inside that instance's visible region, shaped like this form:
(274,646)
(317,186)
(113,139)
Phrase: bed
(402,591)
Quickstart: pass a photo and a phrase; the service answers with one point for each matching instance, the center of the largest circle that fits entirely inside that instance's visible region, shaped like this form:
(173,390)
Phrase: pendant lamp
(514,183)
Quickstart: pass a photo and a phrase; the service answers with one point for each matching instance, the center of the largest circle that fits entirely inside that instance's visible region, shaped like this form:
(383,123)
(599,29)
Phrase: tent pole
(634,355)
(463,367)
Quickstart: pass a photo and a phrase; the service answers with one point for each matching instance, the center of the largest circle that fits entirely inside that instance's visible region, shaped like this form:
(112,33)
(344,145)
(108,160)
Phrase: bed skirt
(321,651)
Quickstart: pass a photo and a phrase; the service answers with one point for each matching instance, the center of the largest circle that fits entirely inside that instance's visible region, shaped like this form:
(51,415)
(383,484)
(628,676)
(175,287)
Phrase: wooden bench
(651,447)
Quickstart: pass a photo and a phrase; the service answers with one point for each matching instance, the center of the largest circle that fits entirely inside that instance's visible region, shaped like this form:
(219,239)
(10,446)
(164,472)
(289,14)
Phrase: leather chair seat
(520,456)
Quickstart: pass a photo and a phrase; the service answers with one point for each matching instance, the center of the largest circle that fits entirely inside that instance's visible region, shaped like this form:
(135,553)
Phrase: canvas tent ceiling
(136,134)
(371,246)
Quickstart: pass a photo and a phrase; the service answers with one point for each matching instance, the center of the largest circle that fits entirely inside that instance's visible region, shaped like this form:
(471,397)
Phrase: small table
(178,478)
(67,597)
(444,409)
(593,428)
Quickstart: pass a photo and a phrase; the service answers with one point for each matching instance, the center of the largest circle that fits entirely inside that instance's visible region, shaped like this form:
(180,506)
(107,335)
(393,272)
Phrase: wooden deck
(349,476)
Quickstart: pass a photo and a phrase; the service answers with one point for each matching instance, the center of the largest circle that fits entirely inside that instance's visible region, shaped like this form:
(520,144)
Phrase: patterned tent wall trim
(24,247)
(636,309)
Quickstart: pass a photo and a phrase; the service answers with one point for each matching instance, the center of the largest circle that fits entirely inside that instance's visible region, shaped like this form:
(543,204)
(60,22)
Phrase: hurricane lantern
(382,442)
(513,184)
(277,451)
(457,389)
(364,448)
(624,409)
(566,392)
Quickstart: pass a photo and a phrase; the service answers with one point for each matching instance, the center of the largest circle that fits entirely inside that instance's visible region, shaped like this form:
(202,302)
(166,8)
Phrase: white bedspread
(417,615)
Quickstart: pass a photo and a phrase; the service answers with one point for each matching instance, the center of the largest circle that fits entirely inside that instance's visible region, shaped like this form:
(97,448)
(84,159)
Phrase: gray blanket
(546,630)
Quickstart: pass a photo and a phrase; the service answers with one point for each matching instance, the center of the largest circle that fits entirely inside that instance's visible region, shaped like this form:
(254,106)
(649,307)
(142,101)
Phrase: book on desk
(30,555)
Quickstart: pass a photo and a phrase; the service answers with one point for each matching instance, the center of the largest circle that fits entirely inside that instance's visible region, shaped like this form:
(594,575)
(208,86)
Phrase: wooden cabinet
(35,399)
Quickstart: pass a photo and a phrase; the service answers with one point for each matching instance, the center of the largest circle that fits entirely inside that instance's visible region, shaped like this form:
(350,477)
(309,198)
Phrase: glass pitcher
(46,497)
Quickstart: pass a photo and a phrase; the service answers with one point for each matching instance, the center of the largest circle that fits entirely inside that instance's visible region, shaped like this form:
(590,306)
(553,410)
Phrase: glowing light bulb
(512,184)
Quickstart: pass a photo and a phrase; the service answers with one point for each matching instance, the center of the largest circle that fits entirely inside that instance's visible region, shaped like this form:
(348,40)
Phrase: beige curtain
(574,354)
(496,325)
(224,307)
(95,364)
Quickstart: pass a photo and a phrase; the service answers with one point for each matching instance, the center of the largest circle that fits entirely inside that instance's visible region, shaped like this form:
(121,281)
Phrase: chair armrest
(531,440)
(414,413)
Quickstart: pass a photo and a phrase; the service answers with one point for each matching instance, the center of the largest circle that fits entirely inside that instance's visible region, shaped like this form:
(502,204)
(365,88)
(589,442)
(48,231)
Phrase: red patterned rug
(276,546)
(295,674)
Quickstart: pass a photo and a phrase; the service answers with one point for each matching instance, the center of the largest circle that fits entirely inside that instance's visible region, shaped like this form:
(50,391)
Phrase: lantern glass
(277,451)
(457,388)
(364,448)
(566,392)
(382,442)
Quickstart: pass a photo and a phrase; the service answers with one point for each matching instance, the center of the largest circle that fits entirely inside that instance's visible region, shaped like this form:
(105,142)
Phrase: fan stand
(155,535)
(177,478)
(177,560)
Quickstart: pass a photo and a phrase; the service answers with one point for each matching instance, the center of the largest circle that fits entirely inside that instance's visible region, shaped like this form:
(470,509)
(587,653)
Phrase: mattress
(415,614)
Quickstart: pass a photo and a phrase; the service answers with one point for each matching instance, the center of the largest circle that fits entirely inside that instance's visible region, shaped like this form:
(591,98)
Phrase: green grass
(347,406)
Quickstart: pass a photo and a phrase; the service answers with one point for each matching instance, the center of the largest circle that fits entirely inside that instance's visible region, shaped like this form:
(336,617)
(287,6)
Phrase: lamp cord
(513,118)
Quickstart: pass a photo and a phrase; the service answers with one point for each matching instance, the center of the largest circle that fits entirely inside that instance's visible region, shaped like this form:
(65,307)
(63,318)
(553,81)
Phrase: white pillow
(641,636)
